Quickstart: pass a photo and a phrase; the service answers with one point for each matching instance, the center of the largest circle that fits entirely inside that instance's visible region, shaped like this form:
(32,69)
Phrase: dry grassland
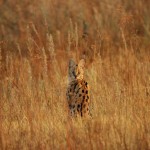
(37,38)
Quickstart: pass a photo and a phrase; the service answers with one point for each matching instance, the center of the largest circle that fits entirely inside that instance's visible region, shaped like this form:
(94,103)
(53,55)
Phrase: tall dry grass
(36,42)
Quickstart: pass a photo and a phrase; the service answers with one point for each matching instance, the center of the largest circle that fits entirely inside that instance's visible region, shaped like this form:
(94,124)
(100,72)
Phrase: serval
(78,90)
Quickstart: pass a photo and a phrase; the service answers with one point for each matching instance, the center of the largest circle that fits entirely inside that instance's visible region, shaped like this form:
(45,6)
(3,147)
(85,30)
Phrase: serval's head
(76,71)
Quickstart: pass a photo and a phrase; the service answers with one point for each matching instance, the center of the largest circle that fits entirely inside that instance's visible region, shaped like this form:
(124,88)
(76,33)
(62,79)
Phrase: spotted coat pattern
(77,90)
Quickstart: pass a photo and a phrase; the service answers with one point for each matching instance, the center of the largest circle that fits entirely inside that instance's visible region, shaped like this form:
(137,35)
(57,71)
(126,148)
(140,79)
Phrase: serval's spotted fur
(77,91)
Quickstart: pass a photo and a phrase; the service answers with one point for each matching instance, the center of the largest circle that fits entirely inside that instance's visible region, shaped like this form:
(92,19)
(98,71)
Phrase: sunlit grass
(34,69)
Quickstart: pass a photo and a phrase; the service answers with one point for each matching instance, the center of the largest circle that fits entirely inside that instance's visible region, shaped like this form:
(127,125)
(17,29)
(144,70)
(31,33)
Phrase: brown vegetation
(37,38)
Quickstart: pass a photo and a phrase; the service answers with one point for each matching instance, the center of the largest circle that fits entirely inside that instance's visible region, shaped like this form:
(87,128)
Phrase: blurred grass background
(37,38)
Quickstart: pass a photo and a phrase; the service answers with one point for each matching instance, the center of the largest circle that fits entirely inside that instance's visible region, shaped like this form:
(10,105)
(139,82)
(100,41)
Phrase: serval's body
(77,91)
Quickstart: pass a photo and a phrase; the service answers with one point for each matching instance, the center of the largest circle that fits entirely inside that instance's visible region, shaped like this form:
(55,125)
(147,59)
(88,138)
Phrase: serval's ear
(71,64)
(72,70)
(81,64)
